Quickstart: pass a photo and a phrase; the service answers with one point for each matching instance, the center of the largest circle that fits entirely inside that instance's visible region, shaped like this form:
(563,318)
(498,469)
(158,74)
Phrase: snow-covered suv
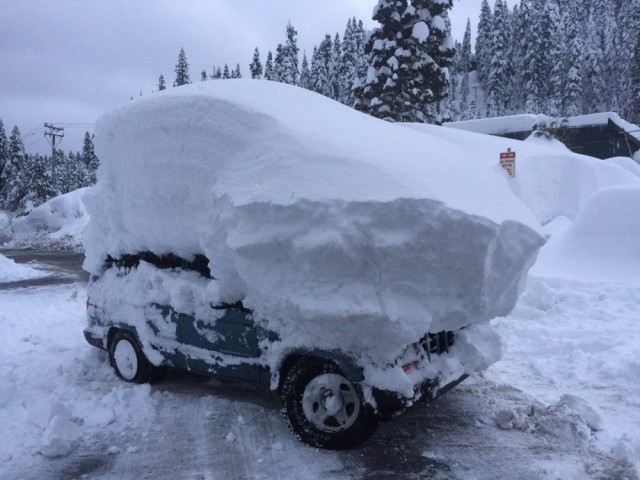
(323,398)
(260,232)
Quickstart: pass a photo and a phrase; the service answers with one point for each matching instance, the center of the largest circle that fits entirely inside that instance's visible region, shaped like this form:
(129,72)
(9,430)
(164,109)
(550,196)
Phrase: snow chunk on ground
(330,224)
(10,271)
(57,224)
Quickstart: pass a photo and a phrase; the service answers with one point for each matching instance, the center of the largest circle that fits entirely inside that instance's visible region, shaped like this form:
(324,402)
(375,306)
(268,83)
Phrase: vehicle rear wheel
(323,408)
(128,360)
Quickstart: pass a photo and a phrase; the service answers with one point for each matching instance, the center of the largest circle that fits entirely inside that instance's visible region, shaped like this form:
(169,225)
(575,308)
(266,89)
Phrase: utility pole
(54,132)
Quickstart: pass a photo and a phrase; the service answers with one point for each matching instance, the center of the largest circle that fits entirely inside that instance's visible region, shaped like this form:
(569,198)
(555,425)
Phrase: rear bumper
(94,339)
(390,404)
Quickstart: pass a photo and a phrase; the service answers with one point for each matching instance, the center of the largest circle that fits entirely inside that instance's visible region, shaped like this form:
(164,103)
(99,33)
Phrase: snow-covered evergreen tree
(572,58)
(633,109)
(289,63)
(14,174)
(497,76)
(161,83)
(334,72)
(236,72)
(203,76)
(464,66)
(321,64)
(89,159)
(268,67)
(226,73)
(278,63)
(409,56)
(628,28)
(256,65)
(555,58)
(39,186)
(182,70)
(483,42)
(4,155)
(305,73)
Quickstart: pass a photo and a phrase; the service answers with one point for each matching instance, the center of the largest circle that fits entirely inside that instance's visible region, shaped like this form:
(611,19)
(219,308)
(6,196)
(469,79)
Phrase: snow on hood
(310,210)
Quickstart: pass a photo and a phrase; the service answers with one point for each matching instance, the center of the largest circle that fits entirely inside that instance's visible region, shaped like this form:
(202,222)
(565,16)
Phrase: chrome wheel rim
(126,359)
(330,402)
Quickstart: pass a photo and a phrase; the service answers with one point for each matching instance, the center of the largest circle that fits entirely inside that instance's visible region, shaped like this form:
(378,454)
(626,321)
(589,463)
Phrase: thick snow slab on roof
(310,210)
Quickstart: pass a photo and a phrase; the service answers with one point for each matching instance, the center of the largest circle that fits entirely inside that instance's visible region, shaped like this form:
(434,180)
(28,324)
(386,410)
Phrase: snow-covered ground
(566,391)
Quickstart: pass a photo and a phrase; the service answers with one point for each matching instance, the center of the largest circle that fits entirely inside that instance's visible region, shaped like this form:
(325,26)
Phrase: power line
(54,132)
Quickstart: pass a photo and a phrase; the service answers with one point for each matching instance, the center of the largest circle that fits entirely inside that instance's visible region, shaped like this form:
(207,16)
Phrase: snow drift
(57,224)
(602,244)
(334,227)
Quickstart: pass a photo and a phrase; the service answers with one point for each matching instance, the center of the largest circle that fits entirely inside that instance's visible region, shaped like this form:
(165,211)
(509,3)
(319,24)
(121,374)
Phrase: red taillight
(407,367)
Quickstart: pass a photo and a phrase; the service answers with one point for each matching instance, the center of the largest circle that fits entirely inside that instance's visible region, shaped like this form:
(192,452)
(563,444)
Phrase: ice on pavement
(331,225)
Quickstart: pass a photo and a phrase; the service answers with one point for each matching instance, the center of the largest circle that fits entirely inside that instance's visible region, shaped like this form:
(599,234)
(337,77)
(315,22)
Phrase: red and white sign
(508,162)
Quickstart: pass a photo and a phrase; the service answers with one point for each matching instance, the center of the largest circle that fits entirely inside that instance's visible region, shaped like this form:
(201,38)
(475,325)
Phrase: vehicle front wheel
(323,408)
(128,360)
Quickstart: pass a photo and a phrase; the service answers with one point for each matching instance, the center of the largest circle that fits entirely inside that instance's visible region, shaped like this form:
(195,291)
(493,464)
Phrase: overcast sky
(68,61)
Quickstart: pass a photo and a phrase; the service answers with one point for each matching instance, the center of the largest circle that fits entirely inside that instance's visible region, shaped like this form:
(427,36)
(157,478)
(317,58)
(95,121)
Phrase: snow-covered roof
(527,122)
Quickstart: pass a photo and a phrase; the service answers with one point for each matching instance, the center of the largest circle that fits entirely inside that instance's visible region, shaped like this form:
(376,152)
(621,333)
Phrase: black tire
(317,415)
(128,360)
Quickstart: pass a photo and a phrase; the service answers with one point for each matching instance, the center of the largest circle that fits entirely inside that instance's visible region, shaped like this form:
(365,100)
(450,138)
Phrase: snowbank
(550,180)
(11,271)
(331,224)
(57,224)
(602,244)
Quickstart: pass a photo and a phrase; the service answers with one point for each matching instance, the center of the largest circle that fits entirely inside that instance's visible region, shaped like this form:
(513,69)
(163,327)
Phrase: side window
(125,263)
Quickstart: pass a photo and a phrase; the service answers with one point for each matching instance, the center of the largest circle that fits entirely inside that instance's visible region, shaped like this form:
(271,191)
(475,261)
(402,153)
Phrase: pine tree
(465,68)
(236,71)
(161,84)
(89,159)
(38,185)
(278,63)
(182,70)
(347,68)
(633,114)
(268,67)
(572,58)
(226,74)
(483,42)
(556,60)
(521,33)
(409,56)
(203,76)
(497,77)
(321,63)
(305,74)
(288,65)
(4,156)
(14,173)
(628,28)
(255,67)
(334,74)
